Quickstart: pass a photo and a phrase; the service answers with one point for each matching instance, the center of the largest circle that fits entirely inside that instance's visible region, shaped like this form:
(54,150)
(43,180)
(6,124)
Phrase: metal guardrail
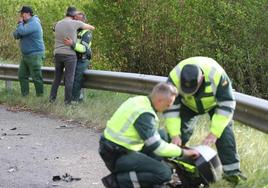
(250,110)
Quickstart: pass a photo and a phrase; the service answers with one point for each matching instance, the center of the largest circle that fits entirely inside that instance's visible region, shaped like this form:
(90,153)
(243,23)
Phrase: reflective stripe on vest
(120,128)
(175,107)
(171,114)
(230,104)
(79,37)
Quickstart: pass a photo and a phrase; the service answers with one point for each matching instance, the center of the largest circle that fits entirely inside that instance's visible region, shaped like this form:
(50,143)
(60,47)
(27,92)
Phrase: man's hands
(89,27)
(68,41)
(210,139)
(20,19)
(176,140)
(186,152)
(191,153)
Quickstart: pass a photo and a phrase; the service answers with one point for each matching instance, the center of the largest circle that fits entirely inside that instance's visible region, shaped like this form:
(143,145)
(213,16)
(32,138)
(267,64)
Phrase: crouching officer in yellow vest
(204,87)
(134,128)
(82,47)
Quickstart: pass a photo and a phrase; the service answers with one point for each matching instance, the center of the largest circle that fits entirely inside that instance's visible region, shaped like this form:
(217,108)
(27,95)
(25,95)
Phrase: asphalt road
(34,148)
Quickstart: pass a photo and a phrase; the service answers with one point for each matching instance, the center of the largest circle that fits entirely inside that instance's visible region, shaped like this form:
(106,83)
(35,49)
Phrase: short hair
(71,11)
(165,89)
(84,17)
(26,9)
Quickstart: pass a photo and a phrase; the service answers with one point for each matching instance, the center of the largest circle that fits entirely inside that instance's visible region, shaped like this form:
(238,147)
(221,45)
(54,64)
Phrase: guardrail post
(8,85)
(82,94)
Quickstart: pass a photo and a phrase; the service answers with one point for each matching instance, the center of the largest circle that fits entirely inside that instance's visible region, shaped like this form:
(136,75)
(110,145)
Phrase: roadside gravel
(34,148)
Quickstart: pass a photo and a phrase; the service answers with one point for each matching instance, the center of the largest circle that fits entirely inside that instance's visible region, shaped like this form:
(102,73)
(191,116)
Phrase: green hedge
(152,36)
(49,12)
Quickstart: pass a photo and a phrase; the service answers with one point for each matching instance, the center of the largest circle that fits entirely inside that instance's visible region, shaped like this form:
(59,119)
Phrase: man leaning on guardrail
(29,32)
(204,87)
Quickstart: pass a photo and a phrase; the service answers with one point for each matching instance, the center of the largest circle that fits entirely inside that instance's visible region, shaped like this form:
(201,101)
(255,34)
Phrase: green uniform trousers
(226,145)
(81,66)
(133,169)
(139,168)
(30,65)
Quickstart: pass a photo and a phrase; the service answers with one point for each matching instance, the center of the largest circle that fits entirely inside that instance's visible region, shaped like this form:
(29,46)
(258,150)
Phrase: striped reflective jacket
(83,44)
(215,93)
(121,128)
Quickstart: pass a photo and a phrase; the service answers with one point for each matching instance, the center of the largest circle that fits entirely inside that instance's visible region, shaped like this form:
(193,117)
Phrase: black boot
(110,181)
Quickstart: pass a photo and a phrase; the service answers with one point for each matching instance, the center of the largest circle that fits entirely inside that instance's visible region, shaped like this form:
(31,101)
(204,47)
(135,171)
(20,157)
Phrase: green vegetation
(152,36)
(48,11)
(252,148)
(99,106)
(93,113)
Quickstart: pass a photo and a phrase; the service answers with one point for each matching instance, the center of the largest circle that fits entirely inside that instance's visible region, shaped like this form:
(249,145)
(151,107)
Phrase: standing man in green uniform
(132,129)
(82,47)
(204,87)
(29,32)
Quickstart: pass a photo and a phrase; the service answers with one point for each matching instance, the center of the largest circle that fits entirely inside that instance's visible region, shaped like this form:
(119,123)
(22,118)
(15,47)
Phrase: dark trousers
(226,145)
(30,65)
(132,167)
(82,65)
(68,64)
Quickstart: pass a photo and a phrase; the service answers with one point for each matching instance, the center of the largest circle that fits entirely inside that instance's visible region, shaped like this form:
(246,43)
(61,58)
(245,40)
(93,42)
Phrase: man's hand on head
(20,19)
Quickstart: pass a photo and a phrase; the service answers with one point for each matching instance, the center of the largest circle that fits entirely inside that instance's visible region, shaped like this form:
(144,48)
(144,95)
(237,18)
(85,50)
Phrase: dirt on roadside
(36,148)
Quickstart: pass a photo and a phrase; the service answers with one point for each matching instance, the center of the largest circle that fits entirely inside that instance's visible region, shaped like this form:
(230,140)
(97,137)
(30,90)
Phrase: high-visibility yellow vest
(79,45)
(80,35)
(120,128)
(212,72)
(212,75)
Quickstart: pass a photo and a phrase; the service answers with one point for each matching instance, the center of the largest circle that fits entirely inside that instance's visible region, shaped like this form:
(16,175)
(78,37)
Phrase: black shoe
(110,181)
(52,100)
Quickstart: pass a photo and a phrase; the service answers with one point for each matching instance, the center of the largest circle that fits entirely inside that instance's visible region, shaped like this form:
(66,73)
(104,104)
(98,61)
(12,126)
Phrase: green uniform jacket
(135,126)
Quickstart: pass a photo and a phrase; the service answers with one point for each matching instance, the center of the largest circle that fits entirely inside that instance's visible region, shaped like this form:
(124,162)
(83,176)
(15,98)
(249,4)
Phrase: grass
(99,106)
(253,151)
(94,112)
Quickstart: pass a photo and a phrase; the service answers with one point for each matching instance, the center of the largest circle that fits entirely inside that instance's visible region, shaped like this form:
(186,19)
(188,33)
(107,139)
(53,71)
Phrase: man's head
(163,96)
(26,13)
(71,12)
(191,79)
(80,16)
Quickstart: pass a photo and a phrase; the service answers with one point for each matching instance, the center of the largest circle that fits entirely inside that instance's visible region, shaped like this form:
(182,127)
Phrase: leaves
(152,36)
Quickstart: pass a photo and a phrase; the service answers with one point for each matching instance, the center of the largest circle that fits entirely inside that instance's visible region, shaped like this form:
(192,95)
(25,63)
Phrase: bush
(48,11)
(152,36)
